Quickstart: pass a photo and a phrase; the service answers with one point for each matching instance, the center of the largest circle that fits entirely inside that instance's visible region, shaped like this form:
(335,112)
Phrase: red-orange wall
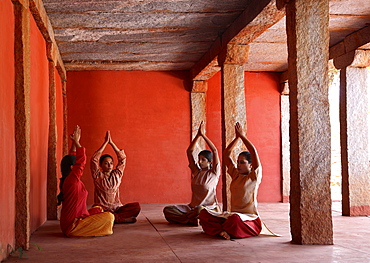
(148,114)
(39,100)
(263,121)
(213,115)
(7,142)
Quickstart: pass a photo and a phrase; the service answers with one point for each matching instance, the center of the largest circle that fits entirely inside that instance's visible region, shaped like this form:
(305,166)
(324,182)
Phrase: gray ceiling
(173,34)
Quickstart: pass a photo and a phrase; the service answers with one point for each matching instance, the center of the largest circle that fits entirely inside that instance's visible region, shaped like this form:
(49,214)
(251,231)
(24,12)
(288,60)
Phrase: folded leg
(127,213)
(100,224)
(237,228)
(211,225)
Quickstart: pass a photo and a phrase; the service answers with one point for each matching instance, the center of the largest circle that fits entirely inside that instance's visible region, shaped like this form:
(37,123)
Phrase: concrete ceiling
(176,34)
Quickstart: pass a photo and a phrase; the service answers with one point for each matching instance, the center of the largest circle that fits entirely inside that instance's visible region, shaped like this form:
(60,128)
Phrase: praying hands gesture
(108,140)
(201,133)
(239,130)
(201,130)
(75,137)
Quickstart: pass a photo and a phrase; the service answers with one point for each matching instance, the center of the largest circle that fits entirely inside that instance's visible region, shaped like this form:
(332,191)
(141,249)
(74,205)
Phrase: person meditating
(243,220)
(107,181)
(75,219)
(204,179)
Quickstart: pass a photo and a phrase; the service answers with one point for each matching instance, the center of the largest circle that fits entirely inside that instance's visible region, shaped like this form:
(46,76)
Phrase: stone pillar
(22,123)
(354,132)
(285,143)
(198,110)
(65,119)
(52,181)
(233,103)
(308,54)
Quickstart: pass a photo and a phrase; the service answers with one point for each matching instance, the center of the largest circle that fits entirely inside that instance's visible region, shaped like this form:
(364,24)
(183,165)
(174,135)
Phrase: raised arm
(254,155)
(110,141)
(94,162)
(227,153)
(80,152)
(105,143)
(191,148)
(216,159)
(121,156)
(75,137)
(72,150)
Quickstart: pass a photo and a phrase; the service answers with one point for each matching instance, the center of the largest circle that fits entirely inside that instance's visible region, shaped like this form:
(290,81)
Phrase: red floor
(152,239)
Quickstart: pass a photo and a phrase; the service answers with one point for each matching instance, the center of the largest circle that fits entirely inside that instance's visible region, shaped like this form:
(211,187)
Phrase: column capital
(356,59)
(234,54)
(280,4)
(199,86)
(24,3)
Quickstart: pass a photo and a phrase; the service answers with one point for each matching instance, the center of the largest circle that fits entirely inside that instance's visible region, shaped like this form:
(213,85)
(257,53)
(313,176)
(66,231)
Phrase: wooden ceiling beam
(257,17)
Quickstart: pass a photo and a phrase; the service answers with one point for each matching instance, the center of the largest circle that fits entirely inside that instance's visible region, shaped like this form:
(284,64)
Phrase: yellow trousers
(100,224)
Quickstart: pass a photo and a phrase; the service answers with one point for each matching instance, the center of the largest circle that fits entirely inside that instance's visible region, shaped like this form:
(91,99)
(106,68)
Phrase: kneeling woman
(75,219)
(204,179)
(243,220)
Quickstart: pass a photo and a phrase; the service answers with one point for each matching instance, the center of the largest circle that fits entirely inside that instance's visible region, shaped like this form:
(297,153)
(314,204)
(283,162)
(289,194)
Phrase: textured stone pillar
(65,118)
(22,123)
(285,143)
(285,147)
(308,53)
(52,181)
(198,111)
(233,103)
(354,132)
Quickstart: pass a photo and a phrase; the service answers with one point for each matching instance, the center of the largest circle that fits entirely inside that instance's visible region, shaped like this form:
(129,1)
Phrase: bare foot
(225,235)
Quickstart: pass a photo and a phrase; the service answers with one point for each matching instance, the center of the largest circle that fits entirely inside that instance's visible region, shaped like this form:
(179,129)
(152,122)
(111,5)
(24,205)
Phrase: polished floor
(152,239)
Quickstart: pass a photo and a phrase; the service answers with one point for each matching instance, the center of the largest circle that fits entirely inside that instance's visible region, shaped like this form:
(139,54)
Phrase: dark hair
(208,154)
(247,156)
(101,159)
(65,167)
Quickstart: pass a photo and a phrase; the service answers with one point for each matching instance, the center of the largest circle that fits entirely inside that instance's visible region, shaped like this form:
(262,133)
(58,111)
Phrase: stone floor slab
(152,239)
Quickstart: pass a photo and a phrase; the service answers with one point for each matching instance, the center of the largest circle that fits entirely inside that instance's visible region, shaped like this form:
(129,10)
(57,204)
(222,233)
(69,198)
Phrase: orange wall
(263,120)
(39,100)
(213,115)
(7,142)
(148,114)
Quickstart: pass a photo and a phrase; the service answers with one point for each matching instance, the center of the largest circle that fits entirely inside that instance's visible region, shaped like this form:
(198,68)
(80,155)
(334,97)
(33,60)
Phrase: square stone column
(22,123)
(52,178)
(198,111)
(308,54)
(354,132)
(285,147)
(65,118)
(233,104)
